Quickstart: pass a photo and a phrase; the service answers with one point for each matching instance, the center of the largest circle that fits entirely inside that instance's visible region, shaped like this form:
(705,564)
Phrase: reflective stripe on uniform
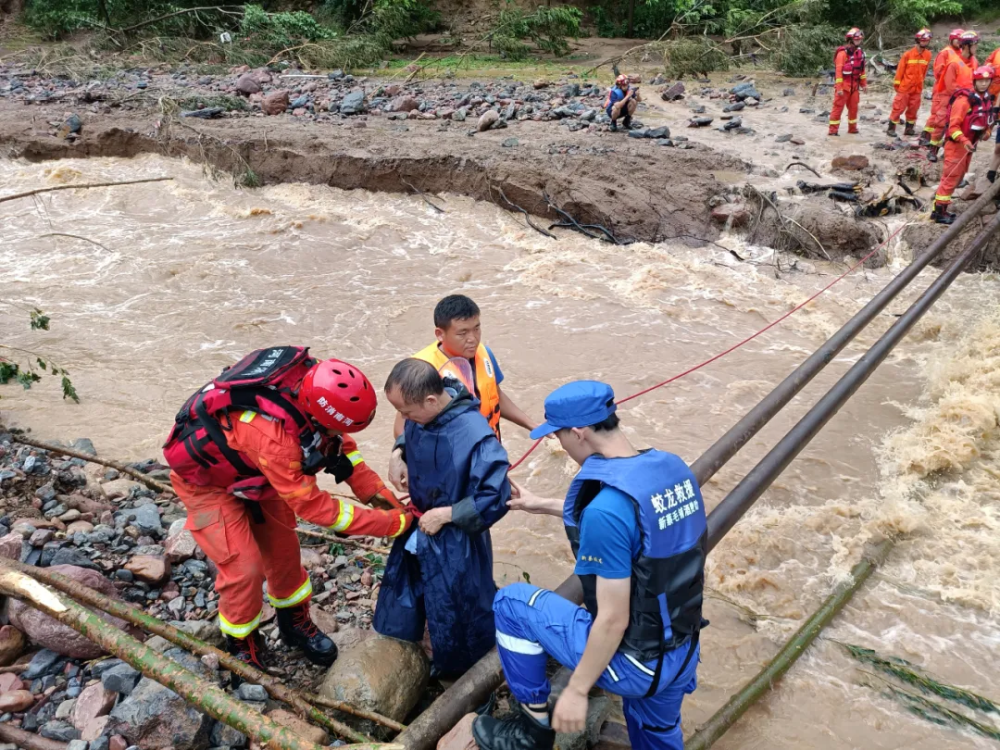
(639,665)
(238,631)
(248,416)
(835,122)
(302,593)
(612,673)
(344,518)
(531,601)
(935,143)
(942,198)
(402,526)
(519,645)
(956,134)
(916,62)
(852,122)
(839,80)
(355,457)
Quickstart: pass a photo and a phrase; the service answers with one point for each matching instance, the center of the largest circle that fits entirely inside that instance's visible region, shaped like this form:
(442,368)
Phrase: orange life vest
(487,390)
(994,60)
(944,59)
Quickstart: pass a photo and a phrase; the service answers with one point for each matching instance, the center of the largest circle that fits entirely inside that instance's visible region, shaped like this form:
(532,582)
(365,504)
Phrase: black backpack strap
(214,431)
(655,684)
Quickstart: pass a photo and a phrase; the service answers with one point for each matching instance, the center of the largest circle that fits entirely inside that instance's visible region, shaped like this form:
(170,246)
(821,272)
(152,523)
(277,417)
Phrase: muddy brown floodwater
(191,274)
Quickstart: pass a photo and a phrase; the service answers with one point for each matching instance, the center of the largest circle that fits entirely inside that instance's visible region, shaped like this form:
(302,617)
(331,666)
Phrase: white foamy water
(189,275)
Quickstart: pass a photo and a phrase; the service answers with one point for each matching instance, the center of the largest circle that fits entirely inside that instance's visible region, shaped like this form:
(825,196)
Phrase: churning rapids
(191,274)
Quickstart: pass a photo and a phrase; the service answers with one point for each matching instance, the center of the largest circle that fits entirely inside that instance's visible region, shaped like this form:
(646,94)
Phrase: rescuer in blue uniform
(636,522)
(442,573)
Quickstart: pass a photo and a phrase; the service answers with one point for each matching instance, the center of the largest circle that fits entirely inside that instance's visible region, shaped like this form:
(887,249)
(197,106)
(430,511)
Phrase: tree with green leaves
(26,367)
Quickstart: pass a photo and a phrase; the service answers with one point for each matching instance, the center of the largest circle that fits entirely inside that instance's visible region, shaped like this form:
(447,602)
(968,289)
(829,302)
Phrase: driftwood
(423,195)
(37,191)
(29,740)
(527,216)
(201,694)
(137,617)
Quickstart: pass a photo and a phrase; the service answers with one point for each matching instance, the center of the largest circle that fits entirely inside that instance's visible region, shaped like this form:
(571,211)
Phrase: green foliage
(546,27)
(39,321)
(277,31)
(693,56)
(23,372)
(806,50)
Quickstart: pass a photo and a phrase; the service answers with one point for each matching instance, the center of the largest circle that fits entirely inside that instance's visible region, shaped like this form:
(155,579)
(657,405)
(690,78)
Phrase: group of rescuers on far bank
(244,453)
(963,107)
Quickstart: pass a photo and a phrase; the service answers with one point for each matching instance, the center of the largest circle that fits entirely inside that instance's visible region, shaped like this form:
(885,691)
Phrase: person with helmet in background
(850,80)
(957,75)
(970,119)
(909,83)
(243,453)
(994,61)
(621,102)
(939,102)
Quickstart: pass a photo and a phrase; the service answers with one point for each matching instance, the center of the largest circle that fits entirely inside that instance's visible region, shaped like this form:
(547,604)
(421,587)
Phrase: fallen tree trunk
(198,692)
(272,684)
(37,191)
(726,716)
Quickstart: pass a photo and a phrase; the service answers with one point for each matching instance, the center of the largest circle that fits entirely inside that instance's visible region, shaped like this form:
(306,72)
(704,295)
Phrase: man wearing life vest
(636,523)
(957,75)
(850,79)
(244,452)
(621,100)
(939,102)
(994,61)
(909,84)
(969,122)
(459,336)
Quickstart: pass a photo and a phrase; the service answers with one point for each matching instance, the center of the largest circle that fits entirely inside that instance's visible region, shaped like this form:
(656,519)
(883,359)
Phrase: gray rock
(101,743)
(459,116)
(736,122)
(249,692)
(84,445)
(176,606)
(120,679)
(154,716)
(59,730)
(734,107)
(661,132)
(43,663)
(147,518)
(206,113)
(67,556)
(204,630)
(490,118)
(588,115)
(510,142)
(700,122)
(353,103)
(637,133)
(788,92)
(783,138)
(247,85)
(673,93)
(77,745)
(224,735)
(335,75)
(99,668)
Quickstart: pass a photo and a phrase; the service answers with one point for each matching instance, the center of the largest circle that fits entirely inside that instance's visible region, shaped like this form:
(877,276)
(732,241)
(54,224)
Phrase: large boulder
(382,674)
(156,718)
(44,631)
(353,103)
(275,103)
(247,85)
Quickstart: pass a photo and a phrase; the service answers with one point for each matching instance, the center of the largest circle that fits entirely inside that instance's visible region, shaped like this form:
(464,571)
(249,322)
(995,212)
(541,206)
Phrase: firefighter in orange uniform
(969,121)
(939,102)
(850,80)
(994,60)
(909,84)
(243,453)
(957,75)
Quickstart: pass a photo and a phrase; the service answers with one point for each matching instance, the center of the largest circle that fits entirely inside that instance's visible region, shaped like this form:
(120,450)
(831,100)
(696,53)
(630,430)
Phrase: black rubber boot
(932,153)
(924,139)
(891,130)
(910,129)
(520,732)
(614,126)
(249,650)
(627,122)
(297,629)
(941,215)
(991,176)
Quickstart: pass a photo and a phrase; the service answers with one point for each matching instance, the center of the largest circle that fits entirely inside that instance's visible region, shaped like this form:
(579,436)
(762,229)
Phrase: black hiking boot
(249,650)
(627,122)
(910,129)
(932,153)
(297,629)
(520,732)
(941,215)
(891,130)
(614,126)
(924,139)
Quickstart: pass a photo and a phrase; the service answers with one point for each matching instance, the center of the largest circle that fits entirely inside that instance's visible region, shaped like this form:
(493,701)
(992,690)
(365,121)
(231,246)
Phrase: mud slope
(638,189)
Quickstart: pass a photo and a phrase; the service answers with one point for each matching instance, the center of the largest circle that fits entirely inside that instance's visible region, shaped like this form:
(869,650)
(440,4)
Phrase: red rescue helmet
(855,34)
(956,34)
(622,79)
(984,73)
(338,396)
(924,35)
(969,37)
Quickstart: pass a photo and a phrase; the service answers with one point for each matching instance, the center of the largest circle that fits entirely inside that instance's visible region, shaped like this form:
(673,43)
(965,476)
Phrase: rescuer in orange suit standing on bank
(994,60)
(909,84)
(850,80)
(969,121)
(244,453)
(939,102)
(957,75)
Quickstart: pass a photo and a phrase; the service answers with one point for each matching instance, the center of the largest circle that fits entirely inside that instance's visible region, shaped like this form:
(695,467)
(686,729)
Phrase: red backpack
(262,382)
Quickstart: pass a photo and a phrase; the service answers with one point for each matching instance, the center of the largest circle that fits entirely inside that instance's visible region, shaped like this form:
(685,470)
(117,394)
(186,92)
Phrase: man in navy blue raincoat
(442,572)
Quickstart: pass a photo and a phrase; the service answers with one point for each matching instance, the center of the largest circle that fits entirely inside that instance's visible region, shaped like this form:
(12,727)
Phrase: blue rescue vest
(669,574)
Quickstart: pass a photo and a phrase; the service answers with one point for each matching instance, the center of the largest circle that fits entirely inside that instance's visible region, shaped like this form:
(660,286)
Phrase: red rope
(738,345)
